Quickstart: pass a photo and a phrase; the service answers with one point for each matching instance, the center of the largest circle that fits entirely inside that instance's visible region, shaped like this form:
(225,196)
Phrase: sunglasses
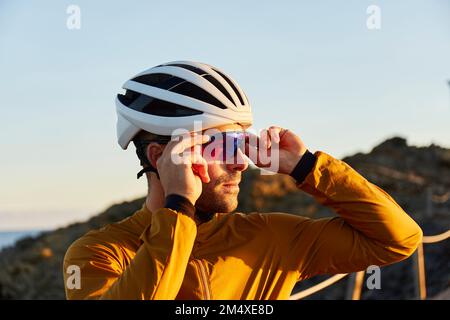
(224,146)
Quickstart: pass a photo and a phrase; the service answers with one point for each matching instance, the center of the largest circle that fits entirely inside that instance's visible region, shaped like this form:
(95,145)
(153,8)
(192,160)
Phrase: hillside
(417,177)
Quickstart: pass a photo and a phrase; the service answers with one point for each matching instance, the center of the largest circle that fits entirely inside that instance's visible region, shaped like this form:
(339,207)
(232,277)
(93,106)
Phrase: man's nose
(240,162)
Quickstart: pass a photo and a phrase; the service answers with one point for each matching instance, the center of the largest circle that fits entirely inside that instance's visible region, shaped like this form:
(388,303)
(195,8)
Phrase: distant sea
(8,238)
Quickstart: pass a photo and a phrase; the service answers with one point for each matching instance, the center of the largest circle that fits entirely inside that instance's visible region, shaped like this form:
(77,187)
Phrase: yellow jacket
(165,255)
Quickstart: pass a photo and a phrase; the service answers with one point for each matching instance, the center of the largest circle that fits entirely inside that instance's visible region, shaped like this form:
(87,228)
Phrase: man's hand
(180,174)
(290,149)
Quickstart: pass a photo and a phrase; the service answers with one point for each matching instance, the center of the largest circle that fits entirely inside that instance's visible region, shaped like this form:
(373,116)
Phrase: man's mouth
(231,186)
(232,183)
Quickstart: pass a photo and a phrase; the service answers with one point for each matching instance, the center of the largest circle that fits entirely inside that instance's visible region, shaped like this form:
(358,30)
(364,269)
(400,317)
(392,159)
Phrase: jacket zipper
(204,279)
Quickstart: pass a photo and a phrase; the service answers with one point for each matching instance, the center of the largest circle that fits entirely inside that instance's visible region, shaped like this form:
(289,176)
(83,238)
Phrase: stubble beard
(215,199)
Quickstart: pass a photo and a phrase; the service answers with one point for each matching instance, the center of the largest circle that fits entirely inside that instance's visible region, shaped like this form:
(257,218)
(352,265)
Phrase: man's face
(220,194)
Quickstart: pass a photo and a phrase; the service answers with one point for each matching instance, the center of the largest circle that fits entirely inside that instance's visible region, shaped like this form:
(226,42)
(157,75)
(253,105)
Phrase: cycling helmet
(176,94)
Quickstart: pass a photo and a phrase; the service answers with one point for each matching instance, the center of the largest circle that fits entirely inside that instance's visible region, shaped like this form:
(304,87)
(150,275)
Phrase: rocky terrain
(417,177)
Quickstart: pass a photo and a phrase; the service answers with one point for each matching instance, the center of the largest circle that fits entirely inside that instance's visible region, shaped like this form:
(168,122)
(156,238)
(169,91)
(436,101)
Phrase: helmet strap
(140,151)
(147,169)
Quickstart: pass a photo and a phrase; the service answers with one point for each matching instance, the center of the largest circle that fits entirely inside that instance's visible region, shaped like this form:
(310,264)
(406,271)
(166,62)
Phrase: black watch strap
(303,167)
(180,204)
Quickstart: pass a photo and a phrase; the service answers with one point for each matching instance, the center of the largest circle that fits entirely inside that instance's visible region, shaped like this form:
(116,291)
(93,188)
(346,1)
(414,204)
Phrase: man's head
(220,194)
(180,95)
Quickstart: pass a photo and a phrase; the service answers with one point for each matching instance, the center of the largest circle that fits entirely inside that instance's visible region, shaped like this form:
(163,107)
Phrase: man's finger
(265,139)
(188,141)
(200,167)
(275,133)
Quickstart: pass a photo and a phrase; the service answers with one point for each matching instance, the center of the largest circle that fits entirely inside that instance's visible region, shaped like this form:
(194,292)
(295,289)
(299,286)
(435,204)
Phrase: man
(186,242)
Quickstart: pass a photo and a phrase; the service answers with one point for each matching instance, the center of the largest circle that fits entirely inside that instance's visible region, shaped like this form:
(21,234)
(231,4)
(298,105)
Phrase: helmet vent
(178,85)
(207,76)
(191,90)
(231,85)
(157,107)
(159,80)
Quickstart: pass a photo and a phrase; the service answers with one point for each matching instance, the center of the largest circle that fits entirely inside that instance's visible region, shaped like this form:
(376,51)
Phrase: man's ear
(154,151)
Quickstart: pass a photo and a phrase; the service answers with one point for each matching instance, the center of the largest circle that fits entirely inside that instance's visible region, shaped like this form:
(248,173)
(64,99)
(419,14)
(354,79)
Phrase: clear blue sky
(313,67)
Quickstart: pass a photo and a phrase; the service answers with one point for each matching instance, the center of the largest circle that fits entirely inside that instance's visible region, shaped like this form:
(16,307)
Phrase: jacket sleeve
(372,229)
(156,271)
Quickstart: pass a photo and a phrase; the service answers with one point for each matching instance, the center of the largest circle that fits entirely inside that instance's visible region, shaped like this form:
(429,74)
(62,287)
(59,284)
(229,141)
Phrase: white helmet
(176,94)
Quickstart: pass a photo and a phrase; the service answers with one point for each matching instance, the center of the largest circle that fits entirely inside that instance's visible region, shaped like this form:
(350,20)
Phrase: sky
(313,67)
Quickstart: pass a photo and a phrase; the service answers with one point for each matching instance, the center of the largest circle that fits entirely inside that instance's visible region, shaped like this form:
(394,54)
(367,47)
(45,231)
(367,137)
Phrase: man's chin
(223,199)
(230,205)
